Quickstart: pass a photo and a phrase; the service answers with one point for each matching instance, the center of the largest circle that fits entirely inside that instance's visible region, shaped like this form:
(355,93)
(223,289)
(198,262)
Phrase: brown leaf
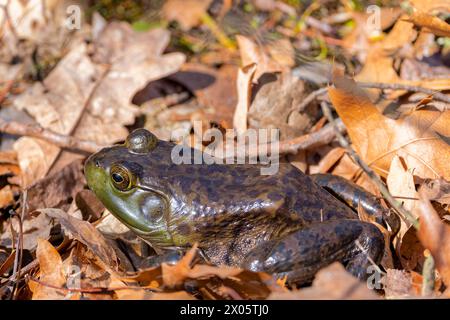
(176,274)
(188,13)
(253,53)
(58,189)
(88,235)
(50,272)
(6,196)
(213,88)
(332,282)
(416,137)
(435,236)
(430,23)
(244,85)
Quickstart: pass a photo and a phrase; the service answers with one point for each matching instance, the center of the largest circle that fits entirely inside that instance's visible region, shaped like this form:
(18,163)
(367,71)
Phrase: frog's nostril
(97,163)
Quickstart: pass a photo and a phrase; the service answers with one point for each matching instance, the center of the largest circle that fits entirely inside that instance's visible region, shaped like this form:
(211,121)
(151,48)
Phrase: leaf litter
(245,66)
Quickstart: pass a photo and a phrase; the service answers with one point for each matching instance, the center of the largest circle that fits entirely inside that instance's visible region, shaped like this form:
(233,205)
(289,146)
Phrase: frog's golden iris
(284,223)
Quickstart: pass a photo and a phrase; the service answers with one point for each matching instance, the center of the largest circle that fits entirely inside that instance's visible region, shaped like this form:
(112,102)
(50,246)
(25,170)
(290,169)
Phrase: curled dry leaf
(175,275)
(253,53)
(430,23)
(244,86)
(435,236)
(417,137)
(88,235)
(50,272)
(332,282)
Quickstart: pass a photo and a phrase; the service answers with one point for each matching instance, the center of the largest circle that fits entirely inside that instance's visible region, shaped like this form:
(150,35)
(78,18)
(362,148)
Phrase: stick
(404,214)
(36,131)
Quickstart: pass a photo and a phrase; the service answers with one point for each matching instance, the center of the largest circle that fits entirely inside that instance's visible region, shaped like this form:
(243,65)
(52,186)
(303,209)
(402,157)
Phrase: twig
(376,85)
(36,131)
(89,290)
(400,86)
(292,146)
(404,214)
(428,275)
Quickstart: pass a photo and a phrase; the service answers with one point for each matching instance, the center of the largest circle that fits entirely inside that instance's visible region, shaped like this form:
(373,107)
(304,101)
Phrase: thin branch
(90,290)
(36,131)
(400,86)
(371,174)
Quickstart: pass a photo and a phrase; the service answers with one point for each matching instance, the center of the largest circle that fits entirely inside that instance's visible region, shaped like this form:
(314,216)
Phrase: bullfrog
(287,224)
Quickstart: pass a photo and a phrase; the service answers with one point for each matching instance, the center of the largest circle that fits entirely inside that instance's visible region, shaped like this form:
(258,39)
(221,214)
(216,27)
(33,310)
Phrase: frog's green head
(125,179)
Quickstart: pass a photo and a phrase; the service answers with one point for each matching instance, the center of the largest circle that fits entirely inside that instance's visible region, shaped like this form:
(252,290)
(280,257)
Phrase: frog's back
(240,189)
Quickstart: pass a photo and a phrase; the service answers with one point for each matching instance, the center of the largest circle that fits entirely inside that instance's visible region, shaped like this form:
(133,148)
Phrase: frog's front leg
(354,196)
(299,255)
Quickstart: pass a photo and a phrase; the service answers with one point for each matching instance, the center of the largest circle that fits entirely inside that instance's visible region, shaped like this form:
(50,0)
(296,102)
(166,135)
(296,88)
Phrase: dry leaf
(253,53)
(6,196)
(50,272)
(58,189)
(400,182)
(188,13)
(430,23)
(332,282)
(244,86)
(435,236)
(416,137)
(88,235)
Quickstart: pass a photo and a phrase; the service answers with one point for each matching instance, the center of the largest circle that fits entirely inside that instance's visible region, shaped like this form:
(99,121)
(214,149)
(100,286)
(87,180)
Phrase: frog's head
(125,179)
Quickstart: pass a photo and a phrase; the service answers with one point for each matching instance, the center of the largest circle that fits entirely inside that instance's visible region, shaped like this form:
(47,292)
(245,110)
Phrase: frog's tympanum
(285,223)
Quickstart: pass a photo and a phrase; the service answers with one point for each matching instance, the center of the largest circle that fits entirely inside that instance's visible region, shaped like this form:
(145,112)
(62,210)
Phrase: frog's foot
(356,244)
(354,196)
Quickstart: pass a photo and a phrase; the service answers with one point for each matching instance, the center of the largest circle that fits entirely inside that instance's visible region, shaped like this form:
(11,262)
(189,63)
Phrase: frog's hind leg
(354,196)
(356,244)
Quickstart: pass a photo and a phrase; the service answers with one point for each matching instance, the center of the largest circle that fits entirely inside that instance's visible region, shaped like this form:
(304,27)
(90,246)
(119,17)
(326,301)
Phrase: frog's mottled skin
(282,223)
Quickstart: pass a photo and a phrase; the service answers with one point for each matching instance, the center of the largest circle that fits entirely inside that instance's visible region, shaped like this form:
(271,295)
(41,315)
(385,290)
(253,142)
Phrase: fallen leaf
(58,189)
(416,137)
(253,53)
(435,236)
(430,23)
(188,13)
(88,235)
(34,227)
(50,272)
(332,282)
(214,89)
(274,105)
(6,196)
(400,182)
(176,274)
(244,86)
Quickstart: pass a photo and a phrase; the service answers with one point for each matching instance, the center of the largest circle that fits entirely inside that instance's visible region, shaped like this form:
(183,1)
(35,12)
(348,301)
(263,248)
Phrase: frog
(288,223)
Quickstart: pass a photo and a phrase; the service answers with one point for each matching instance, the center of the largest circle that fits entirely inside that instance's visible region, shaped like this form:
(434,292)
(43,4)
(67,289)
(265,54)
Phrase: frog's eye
(141,141)
(121,178)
